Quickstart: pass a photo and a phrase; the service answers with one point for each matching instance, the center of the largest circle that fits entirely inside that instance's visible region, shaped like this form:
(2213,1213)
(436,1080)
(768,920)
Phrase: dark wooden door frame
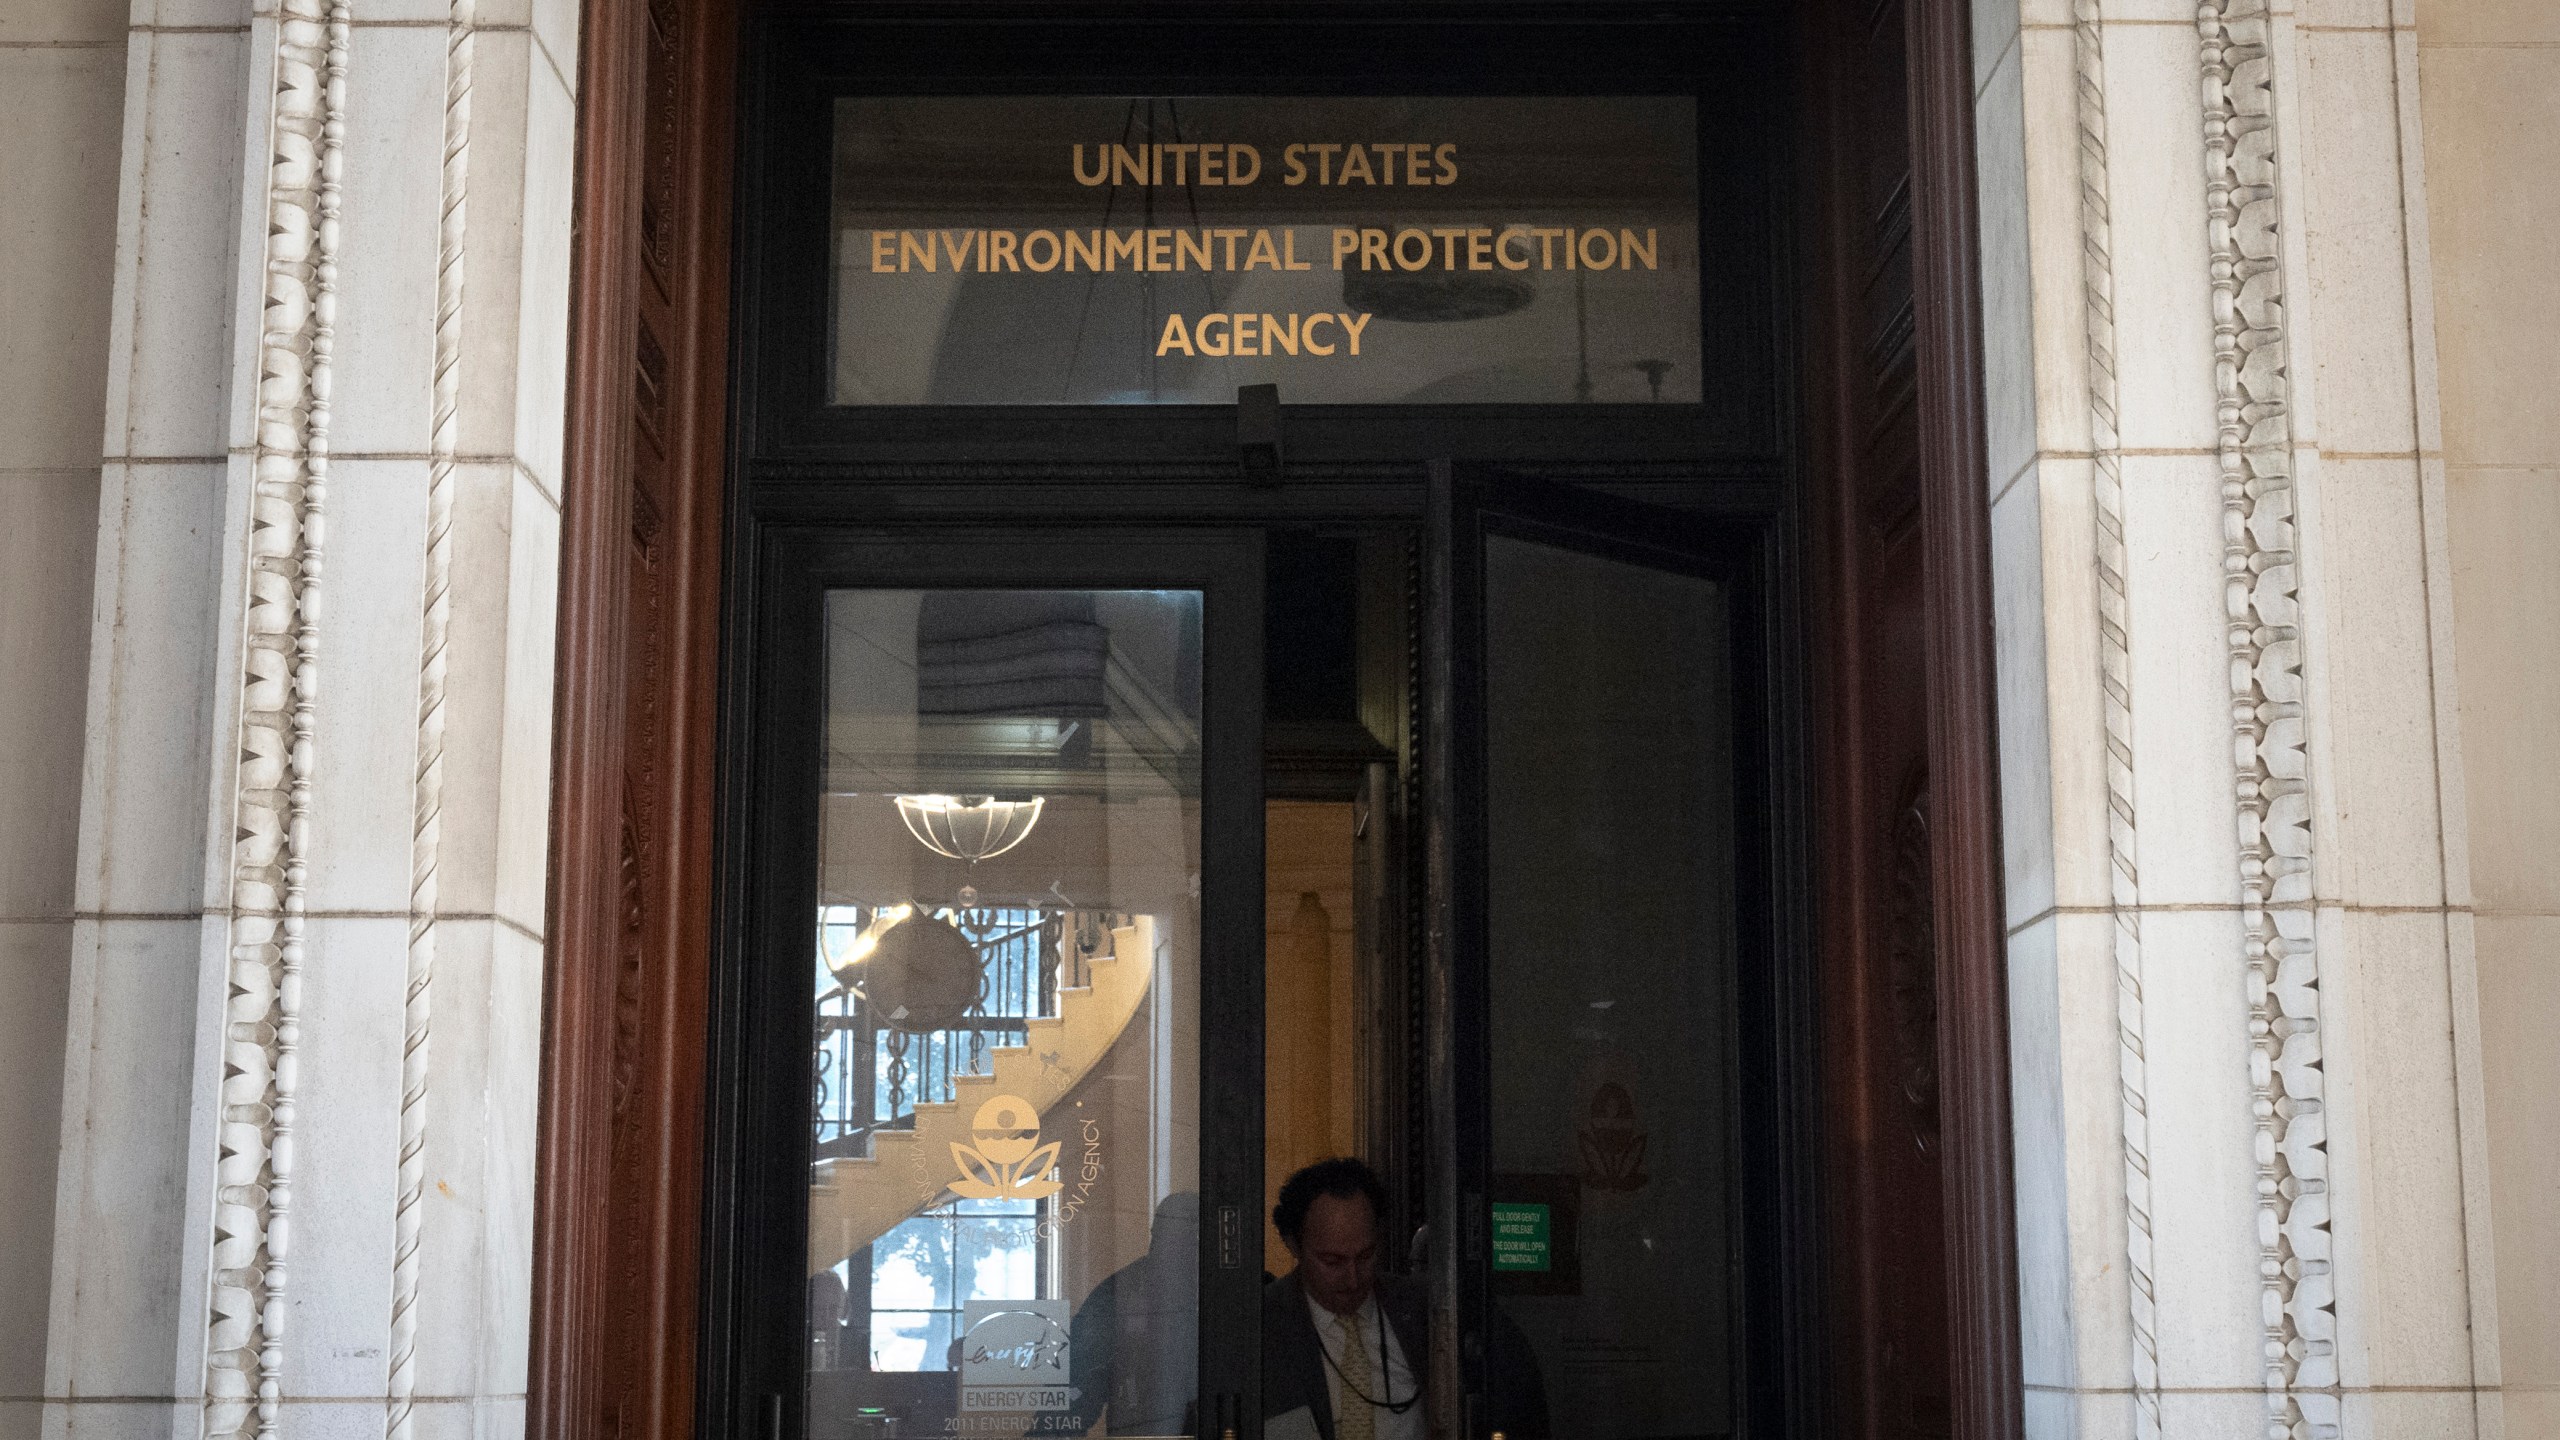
(618,1186)
(1964,748)
(1851,226)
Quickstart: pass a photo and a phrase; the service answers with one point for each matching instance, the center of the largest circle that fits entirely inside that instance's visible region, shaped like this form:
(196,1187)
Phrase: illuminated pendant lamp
(915,971)
(969,827)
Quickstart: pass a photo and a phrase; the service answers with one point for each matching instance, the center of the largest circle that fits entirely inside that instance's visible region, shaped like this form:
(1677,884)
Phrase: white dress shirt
(1390,1377)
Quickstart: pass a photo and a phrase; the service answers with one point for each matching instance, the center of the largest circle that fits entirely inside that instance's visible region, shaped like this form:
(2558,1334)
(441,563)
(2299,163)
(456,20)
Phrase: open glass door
(1581,967)
(1013,879)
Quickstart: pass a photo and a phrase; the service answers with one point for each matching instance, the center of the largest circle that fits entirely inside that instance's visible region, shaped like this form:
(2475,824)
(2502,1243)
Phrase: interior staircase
(855,1200)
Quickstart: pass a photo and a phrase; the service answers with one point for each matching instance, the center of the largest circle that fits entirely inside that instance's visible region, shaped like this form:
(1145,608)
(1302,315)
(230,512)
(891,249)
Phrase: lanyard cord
(1385,1367)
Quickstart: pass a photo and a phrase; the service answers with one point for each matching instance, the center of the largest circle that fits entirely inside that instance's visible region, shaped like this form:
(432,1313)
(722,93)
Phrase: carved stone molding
(427,816)
(2115,679)
(270,861)
(2261,594)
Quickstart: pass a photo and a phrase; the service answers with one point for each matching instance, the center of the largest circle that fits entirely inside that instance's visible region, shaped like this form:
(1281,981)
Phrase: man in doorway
(1343,1345)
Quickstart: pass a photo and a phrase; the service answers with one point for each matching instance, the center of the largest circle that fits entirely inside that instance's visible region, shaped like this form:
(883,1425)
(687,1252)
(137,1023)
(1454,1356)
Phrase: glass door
(1584,656)
(1009,962)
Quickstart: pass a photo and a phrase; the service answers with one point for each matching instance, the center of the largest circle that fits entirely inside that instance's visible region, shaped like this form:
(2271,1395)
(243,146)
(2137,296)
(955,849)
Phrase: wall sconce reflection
(969,827)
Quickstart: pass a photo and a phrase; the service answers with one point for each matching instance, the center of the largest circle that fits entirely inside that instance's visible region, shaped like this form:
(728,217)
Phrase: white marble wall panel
(47,550)
(2009,360)
(498,728)
(476,687)
(168,379)
(2048,1321)
(502,75)
(485,1418)
(1995,33)
(362,812)
(2078,1415)
(2181,681)
(2404,1312)
(2091,1097)
(522,825)
(2519,969)
(35,968)
(2155,174)
(2489,79)
(2213,1415)
(2374,742)
(133,1202)
(2071,705)
(2026,768)
(62,70)
(60,96)
(480,1161)
(541,335)
(313,1418)
(126,1300)
(2353,310)
(2398,554)
(2390,1413)
(450,1352)
(2203,1175)
(387,278)
(146,773)
(555,34)
(2048,96)
(354,980)
(2484,78)
(2506,602)
(135,1419)
(148,15)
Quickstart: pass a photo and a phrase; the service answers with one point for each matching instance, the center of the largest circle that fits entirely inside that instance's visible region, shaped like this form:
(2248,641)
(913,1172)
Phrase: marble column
(2243,986)
(298,1095)
(61,83)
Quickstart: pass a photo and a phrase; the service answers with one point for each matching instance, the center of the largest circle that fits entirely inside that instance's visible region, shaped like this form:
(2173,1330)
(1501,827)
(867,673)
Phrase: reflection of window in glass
(925,1271)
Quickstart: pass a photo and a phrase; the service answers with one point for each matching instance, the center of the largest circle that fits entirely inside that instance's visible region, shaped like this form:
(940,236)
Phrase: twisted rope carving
(280,654)
(2115,661)
(426,835)
(2261,597)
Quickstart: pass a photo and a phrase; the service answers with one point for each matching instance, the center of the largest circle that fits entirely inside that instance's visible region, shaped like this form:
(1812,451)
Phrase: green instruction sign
(1522,1237)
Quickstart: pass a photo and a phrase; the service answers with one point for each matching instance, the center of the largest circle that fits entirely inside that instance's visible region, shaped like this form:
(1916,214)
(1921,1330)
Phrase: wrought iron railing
(868,1076)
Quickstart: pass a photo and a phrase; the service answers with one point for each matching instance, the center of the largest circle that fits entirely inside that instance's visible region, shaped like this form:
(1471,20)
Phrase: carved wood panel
(1916,1350)
(618,1188)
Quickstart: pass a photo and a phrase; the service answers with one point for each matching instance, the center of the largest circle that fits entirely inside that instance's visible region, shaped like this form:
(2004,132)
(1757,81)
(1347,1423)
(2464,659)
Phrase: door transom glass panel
(1117,250)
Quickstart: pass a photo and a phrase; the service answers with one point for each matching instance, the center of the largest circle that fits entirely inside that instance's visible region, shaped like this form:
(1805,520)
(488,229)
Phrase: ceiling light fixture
(969,827)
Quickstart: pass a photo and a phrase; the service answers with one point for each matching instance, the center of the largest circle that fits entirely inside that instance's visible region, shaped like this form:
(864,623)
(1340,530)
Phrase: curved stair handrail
(855,1200)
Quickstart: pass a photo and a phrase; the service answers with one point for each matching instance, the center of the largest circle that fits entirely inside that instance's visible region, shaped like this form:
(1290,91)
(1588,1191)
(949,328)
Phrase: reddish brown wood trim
(1919,1226)
(617,1170)
(1885,1260)
(1964,756)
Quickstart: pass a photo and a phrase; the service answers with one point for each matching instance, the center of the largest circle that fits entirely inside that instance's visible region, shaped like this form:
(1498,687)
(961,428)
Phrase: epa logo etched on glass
(1008,1162)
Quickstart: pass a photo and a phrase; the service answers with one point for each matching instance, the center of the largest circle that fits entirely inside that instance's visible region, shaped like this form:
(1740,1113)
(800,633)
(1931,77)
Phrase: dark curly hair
(1340,1177)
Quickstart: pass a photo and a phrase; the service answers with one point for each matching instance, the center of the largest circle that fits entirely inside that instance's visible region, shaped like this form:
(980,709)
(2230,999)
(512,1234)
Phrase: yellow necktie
(1352,1418)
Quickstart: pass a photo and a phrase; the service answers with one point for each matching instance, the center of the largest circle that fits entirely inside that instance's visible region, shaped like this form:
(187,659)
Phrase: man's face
(1338,1252)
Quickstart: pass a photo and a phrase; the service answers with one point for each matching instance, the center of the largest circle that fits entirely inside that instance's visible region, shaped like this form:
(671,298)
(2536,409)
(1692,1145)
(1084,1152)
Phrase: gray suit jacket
(1293,1369)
